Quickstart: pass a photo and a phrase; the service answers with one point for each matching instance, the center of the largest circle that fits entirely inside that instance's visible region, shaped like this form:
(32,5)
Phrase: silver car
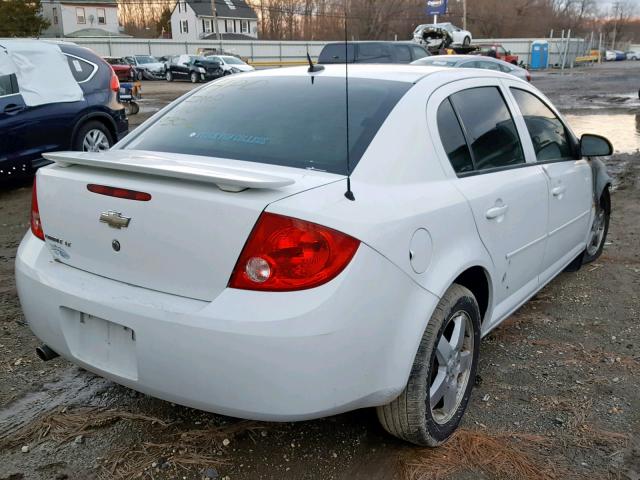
(474,61)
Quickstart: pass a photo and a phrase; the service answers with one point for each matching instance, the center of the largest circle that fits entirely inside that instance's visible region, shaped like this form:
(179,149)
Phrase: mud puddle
(74,386)
(622,129)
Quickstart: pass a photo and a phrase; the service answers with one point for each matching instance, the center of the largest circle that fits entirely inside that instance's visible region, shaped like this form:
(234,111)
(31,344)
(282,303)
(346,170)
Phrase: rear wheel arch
(102,118)
(478,281)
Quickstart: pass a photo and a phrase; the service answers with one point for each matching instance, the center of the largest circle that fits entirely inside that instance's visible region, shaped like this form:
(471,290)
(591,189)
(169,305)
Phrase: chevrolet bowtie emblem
(114,219)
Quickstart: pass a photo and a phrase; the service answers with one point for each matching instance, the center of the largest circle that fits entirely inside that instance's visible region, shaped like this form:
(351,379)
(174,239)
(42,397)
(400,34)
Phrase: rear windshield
(288,121)
(437,61)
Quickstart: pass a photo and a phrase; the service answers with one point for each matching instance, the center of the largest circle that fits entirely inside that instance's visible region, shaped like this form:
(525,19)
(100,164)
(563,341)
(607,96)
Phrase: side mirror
(595,146)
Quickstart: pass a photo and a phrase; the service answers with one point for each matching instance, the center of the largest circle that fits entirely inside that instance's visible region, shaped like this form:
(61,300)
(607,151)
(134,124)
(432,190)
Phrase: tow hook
(45,353)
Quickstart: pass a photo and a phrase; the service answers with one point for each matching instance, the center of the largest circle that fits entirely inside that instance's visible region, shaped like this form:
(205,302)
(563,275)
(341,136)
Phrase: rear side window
(81,69)
(8,85)
(489,127)
(374,53)
(244,119)
(547,132)
(335,53)
(453,139)
(403,54)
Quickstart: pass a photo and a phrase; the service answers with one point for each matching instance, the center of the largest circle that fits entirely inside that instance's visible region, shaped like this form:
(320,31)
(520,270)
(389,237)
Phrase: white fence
(261,51)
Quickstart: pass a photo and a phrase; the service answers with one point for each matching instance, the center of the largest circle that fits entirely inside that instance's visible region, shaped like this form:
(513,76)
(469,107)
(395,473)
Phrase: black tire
(134,108)
(92,125)
(593,252)
(226,72)
(410,416)
(466,42)
(169,76)
(195,78)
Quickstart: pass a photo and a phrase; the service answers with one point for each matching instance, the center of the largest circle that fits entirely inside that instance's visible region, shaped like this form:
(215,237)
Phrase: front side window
(490,129)
(80,15)
(243,119)
(453,139)
(102,16)
(8,85)
(548,134)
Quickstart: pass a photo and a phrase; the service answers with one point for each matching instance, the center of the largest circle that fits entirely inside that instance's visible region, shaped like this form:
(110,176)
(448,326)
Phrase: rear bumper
(264,356)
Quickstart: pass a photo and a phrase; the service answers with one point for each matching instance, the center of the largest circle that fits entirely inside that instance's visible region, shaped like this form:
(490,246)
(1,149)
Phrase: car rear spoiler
(223,173)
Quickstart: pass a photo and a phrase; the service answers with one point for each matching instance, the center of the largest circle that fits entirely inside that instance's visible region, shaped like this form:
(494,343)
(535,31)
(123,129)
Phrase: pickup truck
(496,50)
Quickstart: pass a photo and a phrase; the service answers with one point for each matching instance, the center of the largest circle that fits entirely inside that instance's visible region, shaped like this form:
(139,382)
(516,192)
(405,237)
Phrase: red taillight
(115,83)
(284,254)
(119,192)
(36,223)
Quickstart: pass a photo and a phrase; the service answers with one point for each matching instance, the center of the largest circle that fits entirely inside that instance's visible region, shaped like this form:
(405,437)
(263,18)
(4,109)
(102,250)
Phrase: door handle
(559,190)
(496,212)
(12,109)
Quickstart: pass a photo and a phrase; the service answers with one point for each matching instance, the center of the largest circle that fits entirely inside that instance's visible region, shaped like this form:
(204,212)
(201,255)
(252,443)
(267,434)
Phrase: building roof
(90,2)
(95,32)
(224,8)
(229,36)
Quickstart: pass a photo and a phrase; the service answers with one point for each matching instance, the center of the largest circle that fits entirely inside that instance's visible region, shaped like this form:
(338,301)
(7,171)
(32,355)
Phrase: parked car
(124,71)
(371,52)
(230,64)
(230,241)
(441,35)
(632,55)
(147,67)
(496,50)
(194,68)
(91,121)
(473,61)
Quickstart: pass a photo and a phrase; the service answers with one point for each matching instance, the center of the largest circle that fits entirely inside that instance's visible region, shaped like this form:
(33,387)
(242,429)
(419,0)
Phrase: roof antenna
(348,193)
(313,68)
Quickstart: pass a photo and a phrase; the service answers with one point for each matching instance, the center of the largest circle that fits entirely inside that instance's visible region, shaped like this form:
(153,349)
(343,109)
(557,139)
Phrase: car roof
(394,72)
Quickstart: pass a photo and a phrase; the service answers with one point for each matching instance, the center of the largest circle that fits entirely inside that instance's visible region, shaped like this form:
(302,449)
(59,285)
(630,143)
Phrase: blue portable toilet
(539,55)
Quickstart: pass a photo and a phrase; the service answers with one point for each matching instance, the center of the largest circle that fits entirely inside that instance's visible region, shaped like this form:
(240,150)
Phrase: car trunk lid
(185,240)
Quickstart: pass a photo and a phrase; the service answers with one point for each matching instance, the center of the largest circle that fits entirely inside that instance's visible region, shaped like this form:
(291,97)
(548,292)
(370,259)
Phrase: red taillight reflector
(119,192)
(286,254)
(36,223)
(115,83)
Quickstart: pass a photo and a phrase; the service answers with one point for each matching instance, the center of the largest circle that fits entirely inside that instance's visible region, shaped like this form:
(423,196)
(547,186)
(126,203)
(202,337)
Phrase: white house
(80,18)
(193,20)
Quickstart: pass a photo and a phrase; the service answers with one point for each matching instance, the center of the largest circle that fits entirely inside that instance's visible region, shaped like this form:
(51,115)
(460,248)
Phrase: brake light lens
(36,223)
(119,192)
(115,83)
(286,254)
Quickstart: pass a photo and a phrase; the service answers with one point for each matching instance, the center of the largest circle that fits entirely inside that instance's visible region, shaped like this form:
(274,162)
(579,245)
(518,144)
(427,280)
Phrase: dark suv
(372,52)
(194,68)
(94,123)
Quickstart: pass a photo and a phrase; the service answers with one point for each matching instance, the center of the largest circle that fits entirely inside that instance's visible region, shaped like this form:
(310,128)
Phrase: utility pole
(464,14)
(616,7)
(215,23)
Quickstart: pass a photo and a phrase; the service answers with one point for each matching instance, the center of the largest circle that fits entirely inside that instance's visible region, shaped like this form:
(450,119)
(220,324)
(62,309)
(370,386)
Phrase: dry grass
(64,425)
(501,455)
(179,451)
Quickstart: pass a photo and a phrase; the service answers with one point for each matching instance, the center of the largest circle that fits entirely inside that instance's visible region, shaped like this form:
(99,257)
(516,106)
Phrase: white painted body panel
(347,344)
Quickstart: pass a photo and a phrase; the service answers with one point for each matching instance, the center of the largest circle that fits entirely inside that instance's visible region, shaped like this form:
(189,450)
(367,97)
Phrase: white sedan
(231,64)
(233,254)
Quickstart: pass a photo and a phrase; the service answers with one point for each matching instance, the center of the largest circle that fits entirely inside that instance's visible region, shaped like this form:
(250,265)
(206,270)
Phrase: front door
(570,197)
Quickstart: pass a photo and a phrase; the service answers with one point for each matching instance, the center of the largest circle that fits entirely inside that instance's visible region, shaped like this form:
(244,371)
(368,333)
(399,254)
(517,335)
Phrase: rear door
(506,190)
(570,195)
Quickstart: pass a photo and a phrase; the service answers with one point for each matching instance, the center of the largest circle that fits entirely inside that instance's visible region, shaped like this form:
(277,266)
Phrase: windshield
(144,59)
(289,121)
(233,61)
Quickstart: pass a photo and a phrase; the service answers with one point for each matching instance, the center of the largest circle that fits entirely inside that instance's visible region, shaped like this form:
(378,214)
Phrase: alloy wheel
(597,232)
(451,367)
(95,141)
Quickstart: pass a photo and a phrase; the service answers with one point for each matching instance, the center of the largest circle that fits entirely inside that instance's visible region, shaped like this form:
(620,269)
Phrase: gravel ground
(557,394)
